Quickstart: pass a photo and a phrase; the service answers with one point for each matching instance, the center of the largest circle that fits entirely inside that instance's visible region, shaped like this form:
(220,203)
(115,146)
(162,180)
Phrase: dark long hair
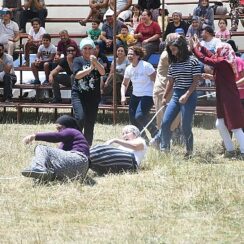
(183,54)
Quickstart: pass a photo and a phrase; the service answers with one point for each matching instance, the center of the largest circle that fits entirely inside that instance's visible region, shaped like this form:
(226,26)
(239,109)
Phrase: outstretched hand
(28,139)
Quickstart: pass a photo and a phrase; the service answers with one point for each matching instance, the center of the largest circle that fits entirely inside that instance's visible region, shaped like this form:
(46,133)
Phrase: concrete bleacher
(70,17)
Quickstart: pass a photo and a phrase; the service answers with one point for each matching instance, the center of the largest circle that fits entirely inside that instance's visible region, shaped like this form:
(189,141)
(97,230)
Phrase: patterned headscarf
(225,50)
(133,129)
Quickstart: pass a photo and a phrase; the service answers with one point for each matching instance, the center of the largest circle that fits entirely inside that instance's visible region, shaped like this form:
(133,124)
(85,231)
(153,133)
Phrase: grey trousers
(64,164)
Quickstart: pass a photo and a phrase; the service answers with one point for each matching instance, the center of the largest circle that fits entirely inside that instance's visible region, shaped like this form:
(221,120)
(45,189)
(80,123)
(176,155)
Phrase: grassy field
(171,200)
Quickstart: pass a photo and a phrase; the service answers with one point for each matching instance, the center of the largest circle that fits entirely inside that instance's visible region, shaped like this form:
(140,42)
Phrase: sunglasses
(70,50)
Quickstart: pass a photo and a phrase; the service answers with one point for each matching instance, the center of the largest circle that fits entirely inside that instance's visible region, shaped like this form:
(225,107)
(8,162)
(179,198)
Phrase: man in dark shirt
(65,65)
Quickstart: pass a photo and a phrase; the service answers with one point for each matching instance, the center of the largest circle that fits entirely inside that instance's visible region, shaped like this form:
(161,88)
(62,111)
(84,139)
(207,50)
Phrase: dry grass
(170,200)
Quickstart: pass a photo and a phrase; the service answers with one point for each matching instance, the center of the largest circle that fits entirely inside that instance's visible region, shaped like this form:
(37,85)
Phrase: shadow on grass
(205,121)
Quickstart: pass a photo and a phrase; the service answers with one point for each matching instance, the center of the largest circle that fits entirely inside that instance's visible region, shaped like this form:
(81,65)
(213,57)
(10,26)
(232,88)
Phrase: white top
(8,31)
(139,155)
(46,51)
(211,45)
(140,78)
(37,36)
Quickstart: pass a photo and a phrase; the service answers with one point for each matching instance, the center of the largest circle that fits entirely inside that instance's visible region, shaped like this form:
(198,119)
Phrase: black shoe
(38,174)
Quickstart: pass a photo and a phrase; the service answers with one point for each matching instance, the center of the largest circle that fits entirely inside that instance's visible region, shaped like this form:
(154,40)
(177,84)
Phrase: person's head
(135,54)
(96,49)
(36,24)
(130,132)
(124,30)
(178,50)
(136,10)
(204,3)
(146,16)
(222,24)
(207,33)
(233,45)
(66,121)
(176,17)
(46,40)
(121,51)
(7,16)
(171,37)
(195,22)
(64,35)
(95,24)
(165,9)
(180,31)
(1,49)
(225,51)
(110,16)
(72,50)
(87,47)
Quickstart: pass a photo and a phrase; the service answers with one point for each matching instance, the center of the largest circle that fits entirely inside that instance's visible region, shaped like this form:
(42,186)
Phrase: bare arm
(54,73)
(135,144)
(153,76)
(124,86)
(240,82)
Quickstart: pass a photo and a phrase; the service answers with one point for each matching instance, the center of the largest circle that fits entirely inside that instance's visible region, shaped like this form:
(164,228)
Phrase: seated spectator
(95,31)
(102,56)
(126,38)
(223,33)
(122,7)
(34,39)
(9,32)
(151,5)
(166,18)
(148,33)
(65,65)
(15,7)
(45,55)
(67,162)
(127,157)
(64,42)
(195,28)
(234,47)
(121,63)
(33,9)
(175,24)
(135,18)
(106,38)
(208,39)
(205,13)
(7,76)
(97,10)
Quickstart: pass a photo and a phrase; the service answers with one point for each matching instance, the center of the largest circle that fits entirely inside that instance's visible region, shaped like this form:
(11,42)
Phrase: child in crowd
(34,39)
(135,20)
(166,14)
(124,36)
(195,28)
(223,33)
(95,31)
(45,54)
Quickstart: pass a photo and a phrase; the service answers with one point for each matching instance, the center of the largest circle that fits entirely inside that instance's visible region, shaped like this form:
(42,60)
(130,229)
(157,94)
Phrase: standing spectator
(230,115)
(183,75)
(142,75)
(125,158)
(67,162)
(34,39)
(95,31)
(15,7)
(148,33)
(236,8)
(33,9)
(65,65)
(85,95)
(106,38)
(122,7)
(7,76)
(45,55)
(97,10)
(177,23)
(151,5)
(208,39)
(205,13)
(223,33)
(9,32)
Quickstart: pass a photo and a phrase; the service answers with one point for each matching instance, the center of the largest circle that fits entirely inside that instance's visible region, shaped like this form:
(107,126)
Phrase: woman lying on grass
(69,161)
(127,157)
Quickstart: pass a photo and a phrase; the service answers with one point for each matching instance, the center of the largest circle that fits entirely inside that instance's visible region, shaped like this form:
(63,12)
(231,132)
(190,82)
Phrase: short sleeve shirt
(109,29)
(46,51)
(63,45)
(37,36)
(94,34)
(7,60)
(8,31)
(65,66)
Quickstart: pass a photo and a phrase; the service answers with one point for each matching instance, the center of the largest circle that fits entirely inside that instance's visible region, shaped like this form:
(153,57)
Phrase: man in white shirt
(9,32)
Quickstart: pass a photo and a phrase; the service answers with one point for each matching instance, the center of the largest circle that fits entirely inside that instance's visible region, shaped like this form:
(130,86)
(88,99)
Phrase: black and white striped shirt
(182,73)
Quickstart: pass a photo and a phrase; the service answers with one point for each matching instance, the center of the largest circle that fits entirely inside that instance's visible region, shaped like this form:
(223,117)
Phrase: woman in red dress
(230,115)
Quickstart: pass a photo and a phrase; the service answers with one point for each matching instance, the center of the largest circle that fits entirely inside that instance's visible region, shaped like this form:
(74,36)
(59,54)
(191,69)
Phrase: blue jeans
(85,111)
(187,110)
(139,109)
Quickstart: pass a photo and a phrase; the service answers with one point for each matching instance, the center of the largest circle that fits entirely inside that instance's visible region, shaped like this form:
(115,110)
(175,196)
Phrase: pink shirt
(222,34)
(240,70)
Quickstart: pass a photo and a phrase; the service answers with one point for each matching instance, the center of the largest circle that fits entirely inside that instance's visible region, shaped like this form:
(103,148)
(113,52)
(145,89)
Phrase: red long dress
(228,102)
